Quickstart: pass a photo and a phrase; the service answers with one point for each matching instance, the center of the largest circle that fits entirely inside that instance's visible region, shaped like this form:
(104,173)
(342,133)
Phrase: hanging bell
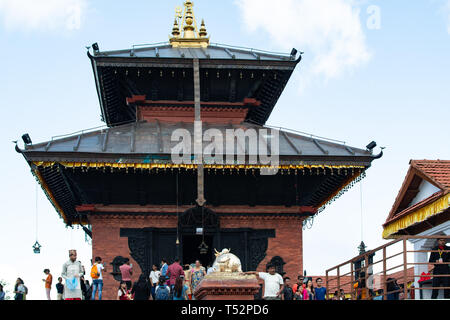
(37,247)
(203,248)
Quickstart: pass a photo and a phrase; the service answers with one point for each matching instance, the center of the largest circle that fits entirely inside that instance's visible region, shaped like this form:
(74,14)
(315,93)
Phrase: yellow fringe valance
(186,166)
(420,215)
(164,166)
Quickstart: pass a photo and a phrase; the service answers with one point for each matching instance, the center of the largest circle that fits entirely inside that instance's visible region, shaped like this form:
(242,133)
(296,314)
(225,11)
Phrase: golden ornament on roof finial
(184,32)
(175,29)
(202,33)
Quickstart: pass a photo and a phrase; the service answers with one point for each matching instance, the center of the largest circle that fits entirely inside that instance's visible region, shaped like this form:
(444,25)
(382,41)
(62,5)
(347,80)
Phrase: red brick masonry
(107,243)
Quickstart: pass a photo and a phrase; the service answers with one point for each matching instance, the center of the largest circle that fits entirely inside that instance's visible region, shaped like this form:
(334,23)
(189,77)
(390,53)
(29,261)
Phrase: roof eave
(97,86)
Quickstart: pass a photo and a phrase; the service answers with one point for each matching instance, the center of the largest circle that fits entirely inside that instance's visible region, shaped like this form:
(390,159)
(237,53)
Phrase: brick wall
(287,243)
(107,243)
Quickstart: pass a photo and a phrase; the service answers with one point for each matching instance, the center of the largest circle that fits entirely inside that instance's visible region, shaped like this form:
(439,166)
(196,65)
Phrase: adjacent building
(422,208)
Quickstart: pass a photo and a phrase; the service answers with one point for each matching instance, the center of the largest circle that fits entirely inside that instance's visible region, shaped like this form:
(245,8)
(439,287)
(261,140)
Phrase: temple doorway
(191,252)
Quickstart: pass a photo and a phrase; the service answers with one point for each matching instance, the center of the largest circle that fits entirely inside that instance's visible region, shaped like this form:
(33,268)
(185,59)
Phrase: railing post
(352,279)
(405,271)
(338,281)
(327,285)
(384,275)
(366,276)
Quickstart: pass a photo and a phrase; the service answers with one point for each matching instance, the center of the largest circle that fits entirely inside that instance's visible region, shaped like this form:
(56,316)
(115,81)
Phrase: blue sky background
(395,92)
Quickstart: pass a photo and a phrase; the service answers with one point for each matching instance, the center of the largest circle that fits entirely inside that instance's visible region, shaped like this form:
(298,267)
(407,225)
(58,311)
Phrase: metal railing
(361,271)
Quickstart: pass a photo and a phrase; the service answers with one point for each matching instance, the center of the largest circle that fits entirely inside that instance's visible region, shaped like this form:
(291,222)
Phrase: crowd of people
(176,282)
(278,288)
(165,282)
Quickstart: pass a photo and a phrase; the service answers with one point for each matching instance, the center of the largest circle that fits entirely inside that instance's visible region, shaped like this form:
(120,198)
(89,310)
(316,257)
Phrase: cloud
(42,15)
(329,31)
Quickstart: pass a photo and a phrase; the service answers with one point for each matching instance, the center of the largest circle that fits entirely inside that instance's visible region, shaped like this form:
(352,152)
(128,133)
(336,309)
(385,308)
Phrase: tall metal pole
(198,135)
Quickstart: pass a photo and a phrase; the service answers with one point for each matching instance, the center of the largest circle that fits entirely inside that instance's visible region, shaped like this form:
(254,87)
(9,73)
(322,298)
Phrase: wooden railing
(337,280)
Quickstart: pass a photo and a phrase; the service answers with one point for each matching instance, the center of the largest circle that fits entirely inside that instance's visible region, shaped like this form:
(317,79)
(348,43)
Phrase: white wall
(426,189)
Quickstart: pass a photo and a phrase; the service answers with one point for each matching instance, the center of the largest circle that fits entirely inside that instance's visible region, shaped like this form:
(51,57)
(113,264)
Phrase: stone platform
(227,286)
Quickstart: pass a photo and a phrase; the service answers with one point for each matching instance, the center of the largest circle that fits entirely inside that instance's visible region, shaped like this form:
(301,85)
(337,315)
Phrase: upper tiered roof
(164,71)
(214,51)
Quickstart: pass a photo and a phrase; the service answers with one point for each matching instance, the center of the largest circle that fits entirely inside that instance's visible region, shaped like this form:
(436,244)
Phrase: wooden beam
(142,100)
(172,209)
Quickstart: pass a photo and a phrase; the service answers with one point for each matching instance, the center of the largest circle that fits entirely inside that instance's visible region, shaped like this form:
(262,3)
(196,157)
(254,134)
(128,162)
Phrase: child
(162,291)
(180,289)
(123,293)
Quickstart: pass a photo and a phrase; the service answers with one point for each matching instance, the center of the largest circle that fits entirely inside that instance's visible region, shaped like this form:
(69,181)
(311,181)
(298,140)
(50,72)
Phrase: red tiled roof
(348,287)
(436,170)
(409,275)
(399,275)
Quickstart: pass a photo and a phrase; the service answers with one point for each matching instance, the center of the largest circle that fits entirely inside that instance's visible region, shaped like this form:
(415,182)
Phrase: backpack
(94,272)
(162,293)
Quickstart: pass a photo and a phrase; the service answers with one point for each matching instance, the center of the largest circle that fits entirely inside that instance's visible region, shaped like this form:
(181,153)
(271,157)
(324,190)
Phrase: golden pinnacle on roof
(185,22)
(202,33)
(175,29)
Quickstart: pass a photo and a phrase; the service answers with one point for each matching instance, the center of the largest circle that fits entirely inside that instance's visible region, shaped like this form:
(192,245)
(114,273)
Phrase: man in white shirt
(154,278)
(97,280)
(273,283)
(72,271)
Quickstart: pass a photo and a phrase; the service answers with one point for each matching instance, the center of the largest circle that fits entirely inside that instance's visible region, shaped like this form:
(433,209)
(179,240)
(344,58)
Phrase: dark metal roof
(145,143)
(154,138)
(213,51)
(162,73)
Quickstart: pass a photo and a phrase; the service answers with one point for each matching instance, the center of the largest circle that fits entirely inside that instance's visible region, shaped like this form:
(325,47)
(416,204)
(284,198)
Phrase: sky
(371,70)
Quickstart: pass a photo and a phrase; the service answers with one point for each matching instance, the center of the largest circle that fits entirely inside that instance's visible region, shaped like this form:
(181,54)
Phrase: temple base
(227,286)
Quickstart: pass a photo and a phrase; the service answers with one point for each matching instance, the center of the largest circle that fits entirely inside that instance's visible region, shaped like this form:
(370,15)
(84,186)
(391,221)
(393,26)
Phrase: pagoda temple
(122,186)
